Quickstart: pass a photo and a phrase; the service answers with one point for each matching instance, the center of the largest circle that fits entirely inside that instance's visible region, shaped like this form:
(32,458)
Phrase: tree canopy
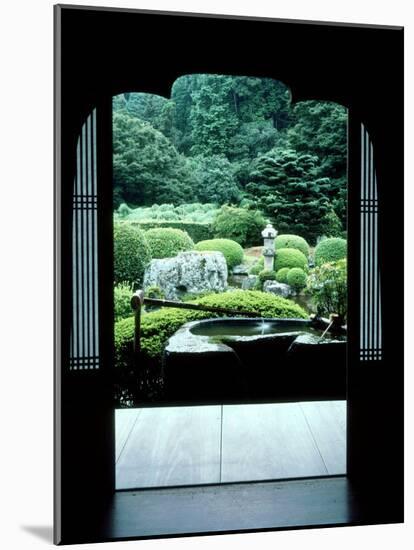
(238,141)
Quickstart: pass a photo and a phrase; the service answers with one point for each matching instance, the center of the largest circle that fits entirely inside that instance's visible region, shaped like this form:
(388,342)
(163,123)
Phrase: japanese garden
(230,220)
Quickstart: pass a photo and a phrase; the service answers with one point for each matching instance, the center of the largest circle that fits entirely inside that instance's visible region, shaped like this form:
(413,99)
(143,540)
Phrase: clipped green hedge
(231,250)
(330,250)
(239,224)
(281,275)
(292,241)
(131,254)
(296,278)
(290,257)
(168,242)
(158,326)
(267,275)
(198,231)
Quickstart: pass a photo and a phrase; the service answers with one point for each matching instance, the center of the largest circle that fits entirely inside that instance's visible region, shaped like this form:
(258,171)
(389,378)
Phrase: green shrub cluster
(122,301)
(231,250)
(281,275)
(328,285)
(296,278)
(168,242)
(292,241)
(330,250)
(267,275)
(290,257)
(242,225)
(257,267)
(158,326)
(191,212)
(131,254)
(332,226)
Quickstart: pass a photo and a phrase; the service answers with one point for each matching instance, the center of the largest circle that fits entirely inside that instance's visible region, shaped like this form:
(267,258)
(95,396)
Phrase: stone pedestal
(269,234)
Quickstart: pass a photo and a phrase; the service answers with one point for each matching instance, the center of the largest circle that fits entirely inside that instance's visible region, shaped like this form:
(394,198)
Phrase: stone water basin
(244,359)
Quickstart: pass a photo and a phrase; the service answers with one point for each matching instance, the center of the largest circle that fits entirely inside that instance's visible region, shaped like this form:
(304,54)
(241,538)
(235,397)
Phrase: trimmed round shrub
(281,275)
(167,242)
(267,275)
(158,326)
(231,250)
(290,257)
(122,301)
(292,241)
(242,225)
(196,230)
(131,254)
(296,278)
(330,250)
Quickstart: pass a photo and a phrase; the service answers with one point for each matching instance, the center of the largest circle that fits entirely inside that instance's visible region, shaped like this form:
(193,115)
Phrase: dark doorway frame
(101,52)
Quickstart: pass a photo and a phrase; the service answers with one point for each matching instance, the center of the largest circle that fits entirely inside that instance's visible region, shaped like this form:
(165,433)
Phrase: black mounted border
(101,52)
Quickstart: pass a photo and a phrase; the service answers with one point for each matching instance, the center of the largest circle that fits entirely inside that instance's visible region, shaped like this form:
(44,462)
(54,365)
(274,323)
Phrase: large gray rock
(191,272)
(280,289)
(240,269)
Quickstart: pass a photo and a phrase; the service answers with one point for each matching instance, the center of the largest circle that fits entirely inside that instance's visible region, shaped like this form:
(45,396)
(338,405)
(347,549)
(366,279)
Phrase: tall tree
(213,119)
(214,180)
(320,127)
(285,188)
(147,167)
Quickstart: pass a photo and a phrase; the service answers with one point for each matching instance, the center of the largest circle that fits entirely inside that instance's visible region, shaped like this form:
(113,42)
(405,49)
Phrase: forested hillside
(238,141)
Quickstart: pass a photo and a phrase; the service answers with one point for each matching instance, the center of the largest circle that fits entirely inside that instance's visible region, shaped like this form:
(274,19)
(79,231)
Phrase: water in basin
(252,328)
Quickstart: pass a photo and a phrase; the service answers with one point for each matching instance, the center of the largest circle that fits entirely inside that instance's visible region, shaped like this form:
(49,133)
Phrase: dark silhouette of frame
(101,52)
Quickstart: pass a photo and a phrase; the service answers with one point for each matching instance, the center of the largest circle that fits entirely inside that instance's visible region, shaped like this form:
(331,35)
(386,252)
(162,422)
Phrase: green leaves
(131,254)
(147,167)
(240,224)
(168,242)
(286,189)
(327,284)
(231,250)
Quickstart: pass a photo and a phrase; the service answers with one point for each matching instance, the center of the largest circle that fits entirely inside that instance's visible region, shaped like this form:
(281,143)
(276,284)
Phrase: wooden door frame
(358,66)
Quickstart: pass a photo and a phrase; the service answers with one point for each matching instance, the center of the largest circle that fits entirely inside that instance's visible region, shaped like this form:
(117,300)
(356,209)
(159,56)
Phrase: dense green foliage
(321,127)
(283,183)
(328,286)
(189,212)
(332,226)
(292,241)
(131,254)
(281,274)
(296,278)
(168,242)
(240,224)
(235,140)
(330,250)
(214,180)
(290,257)
(122,301)
(231,250)
(158,326)
(257,267)
(267,275)
(147,167)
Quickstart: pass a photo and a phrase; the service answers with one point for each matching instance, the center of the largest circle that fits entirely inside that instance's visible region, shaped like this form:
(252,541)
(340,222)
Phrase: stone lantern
(269,234)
